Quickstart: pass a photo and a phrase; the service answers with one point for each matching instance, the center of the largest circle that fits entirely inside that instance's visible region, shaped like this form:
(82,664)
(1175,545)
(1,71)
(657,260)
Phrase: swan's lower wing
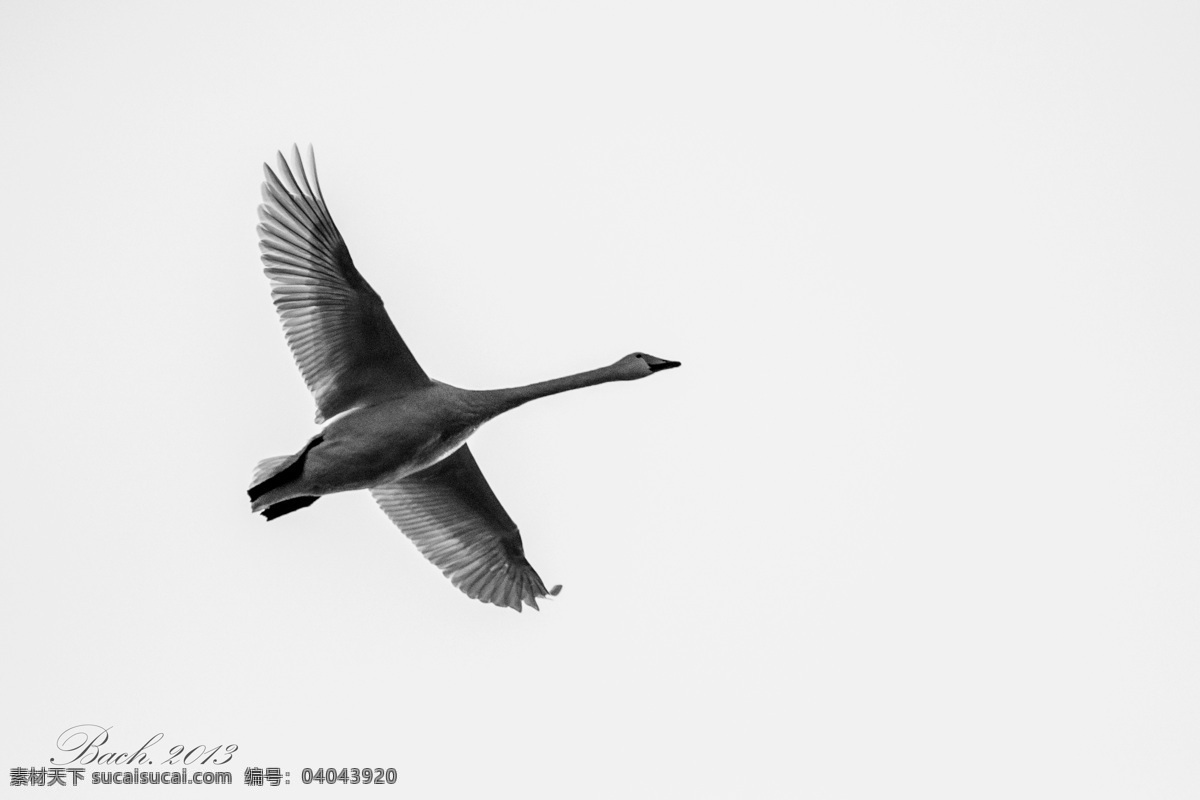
(455,520)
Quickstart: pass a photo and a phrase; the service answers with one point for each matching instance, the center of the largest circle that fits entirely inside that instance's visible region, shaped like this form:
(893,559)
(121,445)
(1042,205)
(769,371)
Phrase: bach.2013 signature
(89,744)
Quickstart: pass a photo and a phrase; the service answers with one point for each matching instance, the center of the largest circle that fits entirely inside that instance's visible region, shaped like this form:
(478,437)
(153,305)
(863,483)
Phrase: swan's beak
(663,365)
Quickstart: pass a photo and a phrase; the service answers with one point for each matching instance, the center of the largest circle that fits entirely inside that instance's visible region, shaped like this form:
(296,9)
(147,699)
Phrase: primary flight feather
(389,427)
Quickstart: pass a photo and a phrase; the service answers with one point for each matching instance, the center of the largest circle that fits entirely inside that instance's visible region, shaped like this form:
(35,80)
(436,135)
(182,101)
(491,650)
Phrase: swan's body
(391,429)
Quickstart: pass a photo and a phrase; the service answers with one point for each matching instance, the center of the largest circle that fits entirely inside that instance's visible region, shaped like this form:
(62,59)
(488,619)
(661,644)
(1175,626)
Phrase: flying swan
(390,428)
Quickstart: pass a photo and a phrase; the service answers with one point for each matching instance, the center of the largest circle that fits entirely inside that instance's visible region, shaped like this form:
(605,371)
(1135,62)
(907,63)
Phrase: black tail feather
(288,506)
(285,475)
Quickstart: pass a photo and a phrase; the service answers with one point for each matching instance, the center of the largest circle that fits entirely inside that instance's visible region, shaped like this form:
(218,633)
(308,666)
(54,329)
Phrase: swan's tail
(264,471)
(274,474)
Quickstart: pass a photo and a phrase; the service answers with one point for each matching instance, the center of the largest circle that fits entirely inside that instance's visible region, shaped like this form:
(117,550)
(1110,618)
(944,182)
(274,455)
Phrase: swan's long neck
(505,399)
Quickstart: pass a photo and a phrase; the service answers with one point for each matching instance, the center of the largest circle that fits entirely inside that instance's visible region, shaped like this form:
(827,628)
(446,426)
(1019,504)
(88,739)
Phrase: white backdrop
(916,518)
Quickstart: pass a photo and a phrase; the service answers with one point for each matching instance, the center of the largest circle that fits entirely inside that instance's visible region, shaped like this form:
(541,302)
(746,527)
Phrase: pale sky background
(918,517)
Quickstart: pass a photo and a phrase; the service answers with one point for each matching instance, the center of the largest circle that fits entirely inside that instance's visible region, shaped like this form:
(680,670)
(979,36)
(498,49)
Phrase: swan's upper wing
(344,343)
(451,514)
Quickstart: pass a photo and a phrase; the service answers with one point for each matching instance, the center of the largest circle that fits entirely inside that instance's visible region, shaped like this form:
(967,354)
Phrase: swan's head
(639,365)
